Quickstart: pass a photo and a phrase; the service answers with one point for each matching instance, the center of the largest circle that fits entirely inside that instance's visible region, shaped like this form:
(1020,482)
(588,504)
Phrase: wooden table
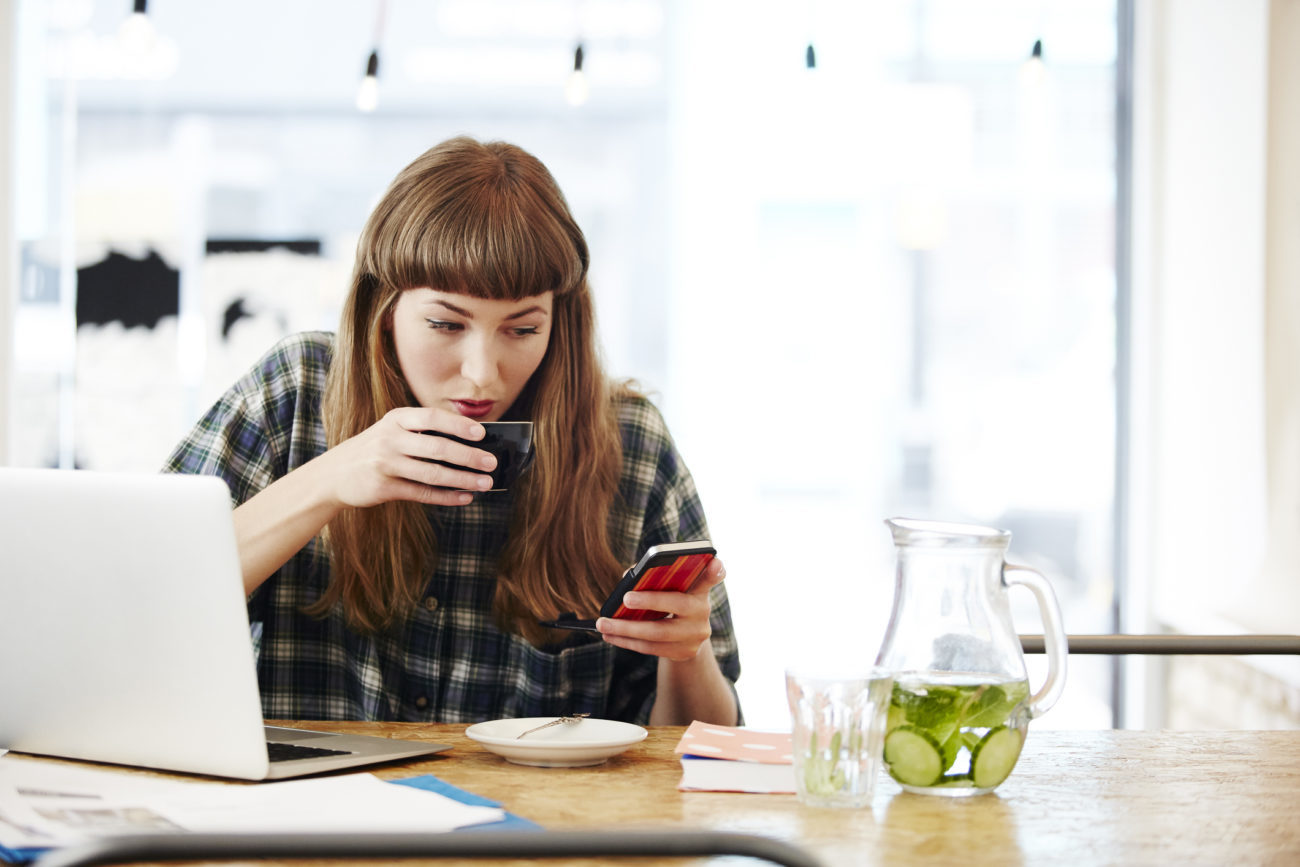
(1075,798)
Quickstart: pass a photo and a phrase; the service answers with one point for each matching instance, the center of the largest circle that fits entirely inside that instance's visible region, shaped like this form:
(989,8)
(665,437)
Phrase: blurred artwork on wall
(159,336)
(133,292)
(127,385)
(255,292)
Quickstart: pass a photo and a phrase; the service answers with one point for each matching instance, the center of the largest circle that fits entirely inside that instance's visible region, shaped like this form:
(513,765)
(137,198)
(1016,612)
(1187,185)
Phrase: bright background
(882,286)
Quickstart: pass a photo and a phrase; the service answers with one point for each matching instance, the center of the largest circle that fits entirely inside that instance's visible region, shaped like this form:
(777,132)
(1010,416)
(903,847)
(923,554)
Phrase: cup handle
(1053,634)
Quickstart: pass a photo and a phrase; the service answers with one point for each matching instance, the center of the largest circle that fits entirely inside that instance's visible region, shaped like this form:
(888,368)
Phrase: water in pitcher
(954,730)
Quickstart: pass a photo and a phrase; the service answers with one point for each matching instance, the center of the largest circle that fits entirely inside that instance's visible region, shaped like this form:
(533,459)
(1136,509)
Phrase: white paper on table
(353,803)
(45,804)
(50,805)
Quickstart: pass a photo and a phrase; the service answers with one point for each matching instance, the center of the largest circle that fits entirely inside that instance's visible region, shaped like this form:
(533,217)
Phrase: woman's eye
(443,325)
(524,330)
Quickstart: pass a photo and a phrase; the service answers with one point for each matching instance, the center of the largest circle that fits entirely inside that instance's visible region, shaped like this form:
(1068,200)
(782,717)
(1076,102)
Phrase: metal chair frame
(507,844)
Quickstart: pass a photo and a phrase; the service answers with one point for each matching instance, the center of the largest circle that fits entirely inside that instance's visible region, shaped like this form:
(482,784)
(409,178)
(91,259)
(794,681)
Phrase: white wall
(8,265)
(1277,583)
(1215,450)
(1206,340)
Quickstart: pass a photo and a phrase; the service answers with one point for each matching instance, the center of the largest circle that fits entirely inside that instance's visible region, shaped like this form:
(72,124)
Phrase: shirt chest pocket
(543,682)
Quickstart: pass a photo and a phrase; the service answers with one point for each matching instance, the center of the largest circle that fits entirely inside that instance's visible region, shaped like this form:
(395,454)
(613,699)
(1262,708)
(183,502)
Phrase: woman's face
(470,355)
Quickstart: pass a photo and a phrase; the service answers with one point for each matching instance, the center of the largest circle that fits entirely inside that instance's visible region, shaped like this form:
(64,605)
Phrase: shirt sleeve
(266,424)
(229,441)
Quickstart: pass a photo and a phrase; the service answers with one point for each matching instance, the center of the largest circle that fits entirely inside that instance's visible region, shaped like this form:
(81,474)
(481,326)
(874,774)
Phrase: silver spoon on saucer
(566,719)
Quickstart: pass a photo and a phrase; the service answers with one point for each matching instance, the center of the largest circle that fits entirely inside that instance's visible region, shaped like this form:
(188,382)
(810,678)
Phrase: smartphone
(671,566)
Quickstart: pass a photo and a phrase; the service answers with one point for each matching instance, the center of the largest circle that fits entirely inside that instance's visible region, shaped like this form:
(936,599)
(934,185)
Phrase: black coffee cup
(511,442)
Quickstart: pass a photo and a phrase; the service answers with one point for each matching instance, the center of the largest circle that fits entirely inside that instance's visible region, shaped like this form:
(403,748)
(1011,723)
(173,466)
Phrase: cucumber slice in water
(913,756)
(994,756)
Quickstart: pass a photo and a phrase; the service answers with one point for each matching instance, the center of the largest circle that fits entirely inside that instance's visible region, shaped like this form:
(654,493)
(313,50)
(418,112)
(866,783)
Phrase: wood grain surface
(1075,798)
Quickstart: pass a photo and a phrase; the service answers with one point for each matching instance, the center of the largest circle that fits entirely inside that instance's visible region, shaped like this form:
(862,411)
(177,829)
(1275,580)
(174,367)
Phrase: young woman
(376,589)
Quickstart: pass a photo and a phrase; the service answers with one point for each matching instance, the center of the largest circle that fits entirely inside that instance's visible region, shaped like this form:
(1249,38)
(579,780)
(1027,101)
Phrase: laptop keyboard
(287,752)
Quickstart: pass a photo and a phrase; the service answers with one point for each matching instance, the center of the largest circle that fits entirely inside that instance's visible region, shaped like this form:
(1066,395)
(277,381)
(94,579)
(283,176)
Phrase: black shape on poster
(242,306)
(303,246)
(131,291)
(234,312)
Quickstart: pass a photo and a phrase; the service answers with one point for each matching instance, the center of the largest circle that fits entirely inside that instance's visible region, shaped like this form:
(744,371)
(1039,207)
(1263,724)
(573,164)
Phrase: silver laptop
(124,633)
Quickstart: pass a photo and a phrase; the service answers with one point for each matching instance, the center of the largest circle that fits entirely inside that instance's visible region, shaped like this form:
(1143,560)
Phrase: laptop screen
(123,623)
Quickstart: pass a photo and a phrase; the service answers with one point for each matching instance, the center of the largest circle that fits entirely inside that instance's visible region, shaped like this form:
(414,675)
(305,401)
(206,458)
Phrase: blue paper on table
(20,856)
(430,783)
(427,782)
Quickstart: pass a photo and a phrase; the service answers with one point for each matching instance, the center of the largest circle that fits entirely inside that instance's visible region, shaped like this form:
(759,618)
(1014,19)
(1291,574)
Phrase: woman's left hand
(677,637)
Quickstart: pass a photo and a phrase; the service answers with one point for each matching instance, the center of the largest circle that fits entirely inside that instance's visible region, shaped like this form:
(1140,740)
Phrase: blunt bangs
(483,220)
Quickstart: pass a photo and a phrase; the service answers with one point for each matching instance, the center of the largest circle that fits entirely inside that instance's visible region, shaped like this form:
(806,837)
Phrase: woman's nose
(479,364)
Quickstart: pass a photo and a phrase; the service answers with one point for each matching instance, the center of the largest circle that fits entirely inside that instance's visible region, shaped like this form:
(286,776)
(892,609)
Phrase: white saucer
(568,745)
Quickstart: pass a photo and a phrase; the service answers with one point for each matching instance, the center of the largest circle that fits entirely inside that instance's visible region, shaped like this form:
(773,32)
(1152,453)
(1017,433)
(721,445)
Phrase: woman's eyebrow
(518,314)
(459,311)
(536,308)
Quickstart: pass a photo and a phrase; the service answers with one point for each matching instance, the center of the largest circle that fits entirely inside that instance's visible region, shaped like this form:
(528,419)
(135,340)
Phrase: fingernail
(484,483)
(476,431)
(465,499)
(488,462)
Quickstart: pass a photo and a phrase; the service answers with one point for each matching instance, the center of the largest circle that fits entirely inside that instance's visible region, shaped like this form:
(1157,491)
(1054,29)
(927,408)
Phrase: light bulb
(136,33)
(368,92)
(1033,72)
(576,89)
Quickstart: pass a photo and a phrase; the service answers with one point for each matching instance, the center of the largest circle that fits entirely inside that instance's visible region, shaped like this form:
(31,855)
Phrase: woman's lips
(473,408)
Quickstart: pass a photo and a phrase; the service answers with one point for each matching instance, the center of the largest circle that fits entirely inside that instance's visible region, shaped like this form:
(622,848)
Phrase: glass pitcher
(961,705)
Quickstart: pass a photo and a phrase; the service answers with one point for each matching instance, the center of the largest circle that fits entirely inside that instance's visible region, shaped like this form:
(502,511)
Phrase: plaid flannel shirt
(448,661)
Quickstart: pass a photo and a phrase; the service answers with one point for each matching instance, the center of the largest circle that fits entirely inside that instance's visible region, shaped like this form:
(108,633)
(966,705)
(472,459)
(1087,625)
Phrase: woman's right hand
(390,460)
(393,460)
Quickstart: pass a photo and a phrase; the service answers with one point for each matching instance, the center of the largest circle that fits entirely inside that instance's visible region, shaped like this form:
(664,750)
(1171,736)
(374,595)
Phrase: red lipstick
(474,408)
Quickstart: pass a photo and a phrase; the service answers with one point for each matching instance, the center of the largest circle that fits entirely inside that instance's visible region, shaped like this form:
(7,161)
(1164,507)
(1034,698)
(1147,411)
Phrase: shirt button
(422,702)
(430,603)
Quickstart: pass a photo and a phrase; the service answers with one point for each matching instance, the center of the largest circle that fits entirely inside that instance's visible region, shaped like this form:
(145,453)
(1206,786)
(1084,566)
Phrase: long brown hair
(487,220)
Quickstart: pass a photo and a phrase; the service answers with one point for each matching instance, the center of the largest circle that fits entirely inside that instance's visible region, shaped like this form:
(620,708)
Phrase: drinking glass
(839,725)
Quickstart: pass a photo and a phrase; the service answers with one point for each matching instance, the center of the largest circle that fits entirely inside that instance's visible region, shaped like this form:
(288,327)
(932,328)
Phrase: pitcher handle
(1053,635)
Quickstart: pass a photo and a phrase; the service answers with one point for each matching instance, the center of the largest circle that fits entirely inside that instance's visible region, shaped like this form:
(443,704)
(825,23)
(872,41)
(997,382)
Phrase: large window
(895,294)
(880,285)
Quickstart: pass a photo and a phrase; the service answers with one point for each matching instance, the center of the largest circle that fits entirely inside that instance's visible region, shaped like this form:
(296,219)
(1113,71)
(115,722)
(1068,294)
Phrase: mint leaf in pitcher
(989,708)
(929,706)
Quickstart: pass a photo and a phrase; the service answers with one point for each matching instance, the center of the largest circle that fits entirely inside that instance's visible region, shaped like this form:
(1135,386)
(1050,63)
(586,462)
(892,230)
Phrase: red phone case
(676,566)
(679,573)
